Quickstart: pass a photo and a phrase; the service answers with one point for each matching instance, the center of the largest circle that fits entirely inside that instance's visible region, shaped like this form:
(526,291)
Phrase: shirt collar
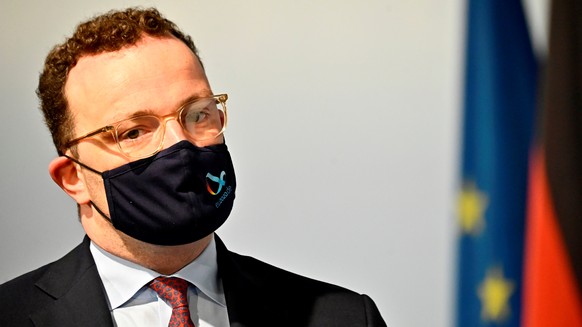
(122,279)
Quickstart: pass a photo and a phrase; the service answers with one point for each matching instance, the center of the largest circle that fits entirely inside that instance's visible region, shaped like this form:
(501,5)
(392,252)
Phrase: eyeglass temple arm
(99,131)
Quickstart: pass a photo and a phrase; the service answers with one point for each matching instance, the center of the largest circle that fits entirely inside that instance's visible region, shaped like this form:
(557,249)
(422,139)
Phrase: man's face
(155,76)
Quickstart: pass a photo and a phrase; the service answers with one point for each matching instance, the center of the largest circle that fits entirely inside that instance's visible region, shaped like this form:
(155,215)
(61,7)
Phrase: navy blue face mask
(177,196)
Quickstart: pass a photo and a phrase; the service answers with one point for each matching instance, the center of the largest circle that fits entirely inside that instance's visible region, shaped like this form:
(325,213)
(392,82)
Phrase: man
(139,134)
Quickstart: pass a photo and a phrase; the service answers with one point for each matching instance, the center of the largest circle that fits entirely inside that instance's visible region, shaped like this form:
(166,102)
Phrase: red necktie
(174,291)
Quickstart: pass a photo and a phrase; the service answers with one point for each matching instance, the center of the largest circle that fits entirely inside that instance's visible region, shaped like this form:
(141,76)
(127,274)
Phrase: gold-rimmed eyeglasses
(143,136)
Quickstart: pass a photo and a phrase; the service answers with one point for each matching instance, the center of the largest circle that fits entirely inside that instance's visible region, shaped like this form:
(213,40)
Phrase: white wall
(343,128)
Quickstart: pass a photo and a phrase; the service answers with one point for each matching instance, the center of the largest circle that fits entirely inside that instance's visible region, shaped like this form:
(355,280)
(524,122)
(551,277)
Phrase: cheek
(96,189)
(215,141)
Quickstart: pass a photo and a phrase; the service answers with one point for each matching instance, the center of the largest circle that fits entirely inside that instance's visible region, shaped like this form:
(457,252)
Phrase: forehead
(151,74)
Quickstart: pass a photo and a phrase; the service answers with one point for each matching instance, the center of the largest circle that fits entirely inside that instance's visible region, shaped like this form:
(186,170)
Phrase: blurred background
(345,129)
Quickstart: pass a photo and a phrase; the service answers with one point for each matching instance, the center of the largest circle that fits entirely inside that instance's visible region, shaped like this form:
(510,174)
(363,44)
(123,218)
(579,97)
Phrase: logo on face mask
(219,180)
(221,183)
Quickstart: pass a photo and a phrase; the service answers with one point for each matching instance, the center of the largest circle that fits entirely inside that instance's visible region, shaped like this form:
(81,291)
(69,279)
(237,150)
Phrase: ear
(66,174)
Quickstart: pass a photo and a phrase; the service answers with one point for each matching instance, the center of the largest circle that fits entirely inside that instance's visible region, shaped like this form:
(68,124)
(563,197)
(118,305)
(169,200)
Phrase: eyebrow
(205,93)
(195,97)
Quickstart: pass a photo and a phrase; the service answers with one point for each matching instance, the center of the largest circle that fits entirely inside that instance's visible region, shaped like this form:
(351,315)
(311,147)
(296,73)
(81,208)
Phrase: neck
(163,259)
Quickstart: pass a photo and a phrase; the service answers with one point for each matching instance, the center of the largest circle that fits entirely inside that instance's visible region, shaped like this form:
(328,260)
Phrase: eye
(195,117)
(131,134)
(137,130)
(198,112)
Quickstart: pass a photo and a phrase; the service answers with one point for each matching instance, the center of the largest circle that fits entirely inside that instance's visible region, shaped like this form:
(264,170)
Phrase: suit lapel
(249,293)
(74,284)
(77,297)
(244,309)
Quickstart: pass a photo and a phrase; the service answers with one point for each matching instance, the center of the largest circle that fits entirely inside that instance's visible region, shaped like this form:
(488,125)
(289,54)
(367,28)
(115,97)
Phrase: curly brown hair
(104,33)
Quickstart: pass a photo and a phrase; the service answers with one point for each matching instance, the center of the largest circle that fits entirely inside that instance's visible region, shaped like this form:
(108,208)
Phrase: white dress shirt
(133,303)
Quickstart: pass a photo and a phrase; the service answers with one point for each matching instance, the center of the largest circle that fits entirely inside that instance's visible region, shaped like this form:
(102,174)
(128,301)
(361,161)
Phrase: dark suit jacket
(69,292)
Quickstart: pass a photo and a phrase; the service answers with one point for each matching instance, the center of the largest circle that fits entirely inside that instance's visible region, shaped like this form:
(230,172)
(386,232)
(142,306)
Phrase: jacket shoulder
(285,298)
(268,275)
(25,294)
(21,297)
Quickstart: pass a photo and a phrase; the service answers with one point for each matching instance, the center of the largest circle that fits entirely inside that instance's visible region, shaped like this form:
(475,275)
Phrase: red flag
(552,293)
(550,296)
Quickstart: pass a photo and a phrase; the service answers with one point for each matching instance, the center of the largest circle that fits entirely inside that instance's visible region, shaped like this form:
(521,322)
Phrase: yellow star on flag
(494,293)
(471,208)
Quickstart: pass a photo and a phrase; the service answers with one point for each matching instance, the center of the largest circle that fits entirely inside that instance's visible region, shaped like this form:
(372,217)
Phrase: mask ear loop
(107,219)
(96,172)
(83,165)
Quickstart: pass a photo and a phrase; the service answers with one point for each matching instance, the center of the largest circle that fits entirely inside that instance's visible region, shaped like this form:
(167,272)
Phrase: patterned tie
(174,291)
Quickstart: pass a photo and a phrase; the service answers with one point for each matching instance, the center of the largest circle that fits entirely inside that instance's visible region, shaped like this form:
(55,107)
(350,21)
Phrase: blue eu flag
(499,113)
